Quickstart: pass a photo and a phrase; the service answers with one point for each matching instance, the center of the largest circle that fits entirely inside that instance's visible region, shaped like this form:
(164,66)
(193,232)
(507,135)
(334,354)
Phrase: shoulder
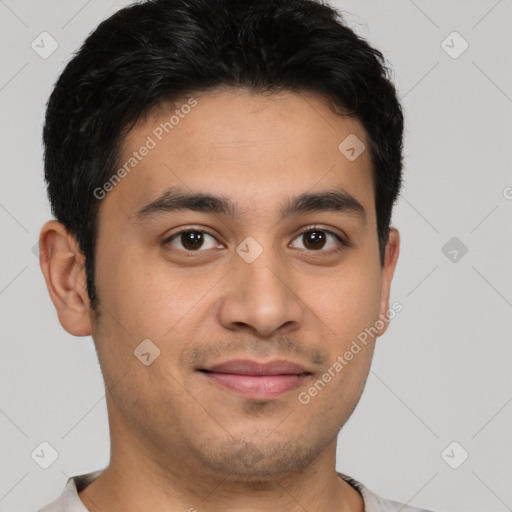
(374,503)
(69,500)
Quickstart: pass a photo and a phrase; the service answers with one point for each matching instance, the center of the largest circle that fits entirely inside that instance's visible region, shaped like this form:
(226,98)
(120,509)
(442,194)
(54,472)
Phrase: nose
(260,296)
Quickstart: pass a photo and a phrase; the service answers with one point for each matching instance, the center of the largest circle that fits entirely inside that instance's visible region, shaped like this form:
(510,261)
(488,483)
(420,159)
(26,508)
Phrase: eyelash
(342,243)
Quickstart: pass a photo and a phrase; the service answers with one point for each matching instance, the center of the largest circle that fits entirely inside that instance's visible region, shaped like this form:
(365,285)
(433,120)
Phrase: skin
(184,441)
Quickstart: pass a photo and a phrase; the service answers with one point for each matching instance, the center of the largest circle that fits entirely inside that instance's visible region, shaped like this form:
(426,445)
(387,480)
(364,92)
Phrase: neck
(139,480)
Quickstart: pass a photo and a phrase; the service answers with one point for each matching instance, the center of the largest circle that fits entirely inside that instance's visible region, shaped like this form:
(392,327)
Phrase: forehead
(255,148)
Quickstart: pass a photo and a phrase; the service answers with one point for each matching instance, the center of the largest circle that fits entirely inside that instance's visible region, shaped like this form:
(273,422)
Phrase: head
(222,175)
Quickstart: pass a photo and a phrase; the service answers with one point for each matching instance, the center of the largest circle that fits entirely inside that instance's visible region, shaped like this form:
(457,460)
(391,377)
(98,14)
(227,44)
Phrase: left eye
(315,240)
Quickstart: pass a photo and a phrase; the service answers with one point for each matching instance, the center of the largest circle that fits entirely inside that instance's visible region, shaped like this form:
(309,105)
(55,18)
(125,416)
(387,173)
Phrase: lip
(257,380)
(251,367)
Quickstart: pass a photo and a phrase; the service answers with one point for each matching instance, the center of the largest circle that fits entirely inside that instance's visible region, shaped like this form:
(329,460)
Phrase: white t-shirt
(69,501)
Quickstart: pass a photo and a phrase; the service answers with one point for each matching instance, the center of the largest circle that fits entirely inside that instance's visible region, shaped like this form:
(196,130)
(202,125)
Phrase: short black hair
(152,52)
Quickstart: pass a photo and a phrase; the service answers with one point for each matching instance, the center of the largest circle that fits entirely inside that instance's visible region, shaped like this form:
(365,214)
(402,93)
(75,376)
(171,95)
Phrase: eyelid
(341,239)
(187,229)
(341,236)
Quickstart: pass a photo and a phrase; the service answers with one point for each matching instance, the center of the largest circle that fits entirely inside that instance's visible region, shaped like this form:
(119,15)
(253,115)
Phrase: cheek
(330,399)
(152,298)
(348,300)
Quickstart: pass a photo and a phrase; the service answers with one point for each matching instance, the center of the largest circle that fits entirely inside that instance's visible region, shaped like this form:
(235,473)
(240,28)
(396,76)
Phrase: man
(223,176)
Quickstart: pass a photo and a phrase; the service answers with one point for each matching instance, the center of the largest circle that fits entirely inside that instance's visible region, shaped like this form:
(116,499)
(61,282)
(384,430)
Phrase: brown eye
(314,239)
(191,240)
(318,239)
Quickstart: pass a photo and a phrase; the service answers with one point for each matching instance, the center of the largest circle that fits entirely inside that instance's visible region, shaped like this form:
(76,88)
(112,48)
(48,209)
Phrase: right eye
(190,240)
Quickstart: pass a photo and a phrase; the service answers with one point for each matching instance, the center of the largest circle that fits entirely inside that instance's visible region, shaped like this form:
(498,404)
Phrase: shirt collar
(69,501)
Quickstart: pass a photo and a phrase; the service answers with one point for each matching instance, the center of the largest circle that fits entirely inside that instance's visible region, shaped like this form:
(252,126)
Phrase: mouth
(257,380)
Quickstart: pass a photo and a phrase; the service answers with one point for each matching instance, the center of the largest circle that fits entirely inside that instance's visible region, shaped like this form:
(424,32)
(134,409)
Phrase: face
(252,273)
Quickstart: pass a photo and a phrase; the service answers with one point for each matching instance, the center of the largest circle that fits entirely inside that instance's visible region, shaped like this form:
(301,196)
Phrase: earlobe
(62,265)
(388,270)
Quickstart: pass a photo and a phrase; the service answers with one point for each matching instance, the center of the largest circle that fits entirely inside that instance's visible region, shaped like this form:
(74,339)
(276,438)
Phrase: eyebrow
(177,199)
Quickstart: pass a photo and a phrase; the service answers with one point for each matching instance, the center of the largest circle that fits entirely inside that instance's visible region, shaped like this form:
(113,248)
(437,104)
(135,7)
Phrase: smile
(257,379)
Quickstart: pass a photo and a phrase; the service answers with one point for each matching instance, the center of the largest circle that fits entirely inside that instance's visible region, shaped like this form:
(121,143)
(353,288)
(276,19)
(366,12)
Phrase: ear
(388,269)
(62,265)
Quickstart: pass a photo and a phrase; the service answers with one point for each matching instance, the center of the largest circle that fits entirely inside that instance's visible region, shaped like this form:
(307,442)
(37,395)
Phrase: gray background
(441,373)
